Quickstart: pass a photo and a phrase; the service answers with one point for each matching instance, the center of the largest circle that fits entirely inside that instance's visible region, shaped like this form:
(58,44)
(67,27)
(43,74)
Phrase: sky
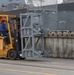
(59,1)
(46,2)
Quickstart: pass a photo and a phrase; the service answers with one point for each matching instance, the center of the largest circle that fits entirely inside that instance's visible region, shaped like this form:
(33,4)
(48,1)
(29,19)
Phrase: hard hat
(3,19)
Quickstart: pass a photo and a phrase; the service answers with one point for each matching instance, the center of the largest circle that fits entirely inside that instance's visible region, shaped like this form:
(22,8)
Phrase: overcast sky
(59,1)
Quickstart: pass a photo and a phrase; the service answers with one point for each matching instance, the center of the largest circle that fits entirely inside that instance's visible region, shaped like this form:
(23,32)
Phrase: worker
(3,26)
(4,29)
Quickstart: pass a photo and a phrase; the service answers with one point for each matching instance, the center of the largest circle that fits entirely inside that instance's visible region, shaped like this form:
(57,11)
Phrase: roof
(14,12)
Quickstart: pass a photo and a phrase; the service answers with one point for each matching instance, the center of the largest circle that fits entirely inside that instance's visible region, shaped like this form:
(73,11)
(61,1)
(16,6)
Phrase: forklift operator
(4,29)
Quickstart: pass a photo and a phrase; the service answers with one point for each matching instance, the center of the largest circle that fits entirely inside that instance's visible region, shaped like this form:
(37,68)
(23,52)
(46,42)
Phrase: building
(15,6)
(12,6)
(68,1)
(2,9)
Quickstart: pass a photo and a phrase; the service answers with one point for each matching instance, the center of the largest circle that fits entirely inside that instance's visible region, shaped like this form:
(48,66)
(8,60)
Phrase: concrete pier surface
(37,66)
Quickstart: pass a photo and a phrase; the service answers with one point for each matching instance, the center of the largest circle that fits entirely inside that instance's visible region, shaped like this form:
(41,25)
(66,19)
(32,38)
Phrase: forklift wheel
(22,58)
(12,54)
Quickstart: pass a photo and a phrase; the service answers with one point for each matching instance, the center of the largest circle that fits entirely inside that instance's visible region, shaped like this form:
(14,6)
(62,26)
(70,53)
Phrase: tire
(22,58)
(12,54)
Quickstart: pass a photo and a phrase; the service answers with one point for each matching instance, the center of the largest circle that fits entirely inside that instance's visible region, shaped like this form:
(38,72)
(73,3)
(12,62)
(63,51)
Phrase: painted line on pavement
(24,71)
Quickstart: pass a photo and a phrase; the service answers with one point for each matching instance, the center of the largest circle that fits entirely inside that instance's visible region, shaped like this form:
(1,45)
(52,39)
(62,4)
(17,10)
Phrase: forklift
(24,35)
(12,50)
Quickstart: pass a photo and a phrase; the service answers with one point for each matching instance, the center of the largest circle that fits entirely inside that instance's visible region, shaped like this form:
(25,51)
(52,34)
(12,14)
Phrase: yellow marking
(23,71)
